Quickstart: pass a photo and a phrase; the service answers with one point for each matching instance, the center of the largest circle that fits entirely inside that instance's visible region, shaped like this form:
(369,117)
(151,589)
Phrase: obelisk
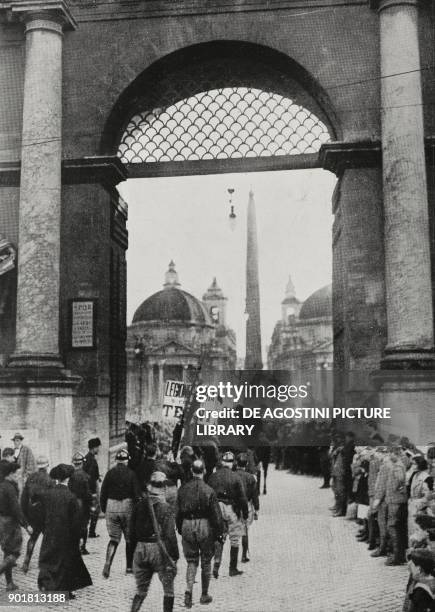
(253,359)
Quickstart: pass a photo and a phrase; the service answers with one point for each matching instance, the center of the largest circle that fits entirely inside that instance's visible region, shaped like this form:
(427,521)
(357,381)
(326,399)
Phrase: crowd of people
(207,496)
(389,491)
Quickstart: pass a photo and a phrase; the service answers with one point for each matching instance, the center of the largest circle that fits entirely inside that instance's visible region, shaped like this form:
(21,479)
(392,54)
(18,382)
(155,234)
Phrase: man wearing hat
(61,566)
(79,485)
(24,456)
(234,507)
(90,466)
(119,492)
(153,531)
(395,497)
(31,504)
(379,505)
(11,517)
(199,522)
(251,490)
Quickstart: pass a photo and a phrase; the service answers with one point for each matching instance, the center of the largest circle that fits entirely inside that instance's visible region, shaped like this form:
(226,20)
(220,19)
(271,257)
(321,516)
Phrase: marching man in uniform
(90,466)
(251,490)
(119,492)
(234,507)
(199,521)
(153,531)
(79,485)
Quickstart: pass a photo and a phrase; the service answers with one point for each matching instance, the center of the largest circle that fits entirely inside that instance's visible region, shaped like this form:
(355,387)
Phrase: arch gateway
(95,91)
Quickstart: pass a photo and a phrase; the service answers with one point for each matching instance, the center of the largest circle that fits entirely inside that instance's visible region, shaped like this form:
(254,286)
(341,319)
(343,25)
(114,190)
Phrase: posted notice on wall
(82,323)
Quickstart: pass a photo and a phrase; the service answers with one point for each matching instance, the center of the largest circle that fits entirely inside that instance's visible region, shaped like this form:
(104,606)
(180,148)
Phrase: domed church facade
(302,339)
(171,336)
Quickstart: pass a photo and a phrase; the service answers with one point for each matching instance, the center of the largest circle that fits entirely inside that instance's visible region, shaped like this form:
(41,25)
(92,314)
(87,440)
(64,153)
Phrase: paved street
(302,560)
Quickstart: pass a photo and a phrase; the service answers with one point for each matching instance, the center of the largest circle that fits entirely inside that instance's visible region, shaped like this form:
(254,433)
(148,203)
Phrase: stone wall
(358,275)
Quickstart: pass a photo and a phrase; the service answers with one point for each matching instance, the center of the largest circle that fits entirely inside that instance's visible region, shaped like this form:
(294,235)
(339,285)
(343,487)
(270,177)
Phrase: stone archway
(220,107)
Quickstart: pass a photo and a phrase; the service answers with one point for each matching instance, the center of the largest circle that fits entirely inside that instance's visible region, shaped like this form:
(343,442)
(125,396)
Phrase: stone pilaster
(37,333)
(150,370)
(161,384)
(407,248)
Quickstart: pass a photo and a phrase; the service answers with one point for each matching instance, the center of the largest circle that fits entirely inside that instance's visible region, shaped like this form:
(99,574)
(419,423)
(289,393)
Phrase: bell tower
(216,303)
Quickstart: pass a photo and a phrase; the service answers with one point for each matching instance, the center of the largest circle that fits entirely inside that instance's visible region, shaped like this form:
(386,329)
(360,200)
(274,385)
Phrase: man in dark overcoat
(61,566)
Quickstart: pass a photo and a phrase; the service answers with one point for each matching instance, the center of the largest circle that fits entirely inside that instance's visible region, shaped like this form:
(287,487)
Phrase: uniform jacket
(91,468)
(229,489)
(119,483)
(250,485)
(196,499)
(141,524)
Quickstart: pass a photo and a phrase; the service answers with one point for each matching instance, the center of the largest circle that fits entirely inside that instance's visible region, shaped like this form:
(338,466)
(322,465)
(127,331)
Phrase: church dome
(172,304)
(318,305)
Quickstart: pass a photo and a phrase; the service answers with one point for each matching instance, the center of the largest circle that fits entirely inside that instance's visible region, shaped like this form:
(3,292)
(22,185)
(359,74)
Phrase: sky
(186,219)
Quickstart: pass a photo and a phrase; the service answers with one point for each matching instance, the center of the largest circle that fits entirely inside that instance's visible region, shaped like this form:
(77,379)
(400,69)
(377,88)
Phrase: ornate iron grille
(231,122)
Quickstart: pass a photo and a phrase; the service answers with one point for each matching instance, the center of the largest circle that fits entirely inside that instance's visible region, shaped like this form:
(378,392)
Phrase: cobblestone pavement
(302,560)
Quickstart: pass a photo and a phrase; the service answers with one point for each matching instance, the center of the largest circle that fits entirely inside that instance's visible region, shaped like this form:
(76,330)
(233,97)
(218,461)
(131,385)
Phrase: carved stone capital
(41,14)
(380,5)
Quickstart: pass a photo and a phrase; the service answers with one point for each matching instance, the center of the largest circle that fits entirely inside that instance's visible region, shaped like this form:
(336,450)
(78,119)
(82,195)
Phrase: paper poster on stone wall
(82,323)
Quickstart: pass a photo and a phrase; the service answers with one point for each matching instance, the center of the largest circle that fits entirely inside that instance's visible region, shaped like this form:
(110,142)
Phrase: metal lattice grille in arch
(232,122)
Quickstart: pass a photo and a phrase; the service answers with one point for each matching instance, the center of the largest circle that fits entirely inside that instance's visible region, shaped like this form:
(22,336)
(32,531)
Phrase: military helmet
(78,458)
(158,480)
(122,455)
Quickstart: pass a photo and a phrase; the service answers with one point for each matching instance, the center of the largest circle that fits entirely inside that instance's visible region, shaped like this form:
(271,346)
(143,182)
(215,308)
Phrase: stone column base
(31,360)
(408,358)
(410,394)
(40,405)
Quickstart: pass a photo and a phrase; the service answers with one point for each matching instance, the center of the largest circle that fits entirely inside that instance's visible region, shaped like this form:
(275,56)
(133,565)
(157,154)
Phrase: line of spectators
(389,491)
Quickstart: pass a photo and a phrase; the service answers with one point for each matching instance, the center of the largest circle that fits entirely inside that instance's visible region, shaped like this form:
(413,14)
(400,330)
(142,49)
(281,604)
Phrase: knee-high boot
(10,585)
(93,525)
(218,548)
(110,553)
(168,603)
(8,563)
(205,582)
(137,602)
(234,553)
(245,548)
(129,552)
(29,552)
